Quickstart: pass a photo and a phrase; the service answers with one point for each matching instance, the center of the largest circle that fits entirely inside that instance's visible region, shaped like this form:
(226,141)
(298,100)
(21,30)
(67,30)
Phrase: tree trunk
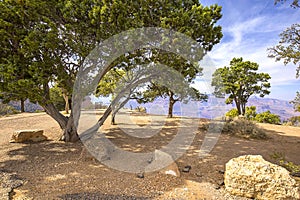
(22,105)
(243,109)
(113,121)
(67,105)
(56,115)
(238,106)
(171,104)
(70,132)
(115,110)
(65,123)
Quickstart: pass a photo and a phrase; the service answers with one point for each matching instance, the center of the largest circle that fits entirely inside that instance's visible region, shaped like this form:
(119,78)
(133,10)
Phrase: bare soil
(58,170)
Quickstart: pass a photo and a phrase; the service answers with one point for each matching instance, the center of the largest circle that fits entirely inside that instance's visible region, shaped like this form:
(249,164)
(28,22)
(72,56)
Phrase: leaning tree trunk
(65,123)
(113,118)
(171,105)
(22,105)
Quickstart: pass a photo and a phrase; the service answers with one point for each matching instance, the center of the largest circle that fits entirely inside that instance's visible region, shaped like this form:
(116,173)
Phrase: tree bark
(70,132)
(113,121)
(67,105)
(22,105)
(171,104)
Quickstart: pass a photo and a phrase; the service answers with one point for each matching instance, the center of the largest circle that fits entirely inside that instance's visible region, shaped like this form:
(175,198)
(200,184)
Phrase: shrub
(280,159)
(232,113)
(250,112)
(294,121)
(240,127)
(6,109)
(267,117)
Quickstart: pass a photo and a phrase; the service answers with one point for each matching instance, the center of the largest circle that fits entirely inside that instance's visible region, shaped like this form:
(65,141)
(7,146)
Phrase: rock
(164,163)
(186,169)
(140,175)
(28,136)
(253,177)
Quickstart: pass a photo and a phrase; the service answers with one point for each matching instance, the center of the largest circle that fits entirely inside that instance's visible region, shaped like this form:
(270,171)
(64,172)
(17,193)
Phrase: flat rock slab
(35,135)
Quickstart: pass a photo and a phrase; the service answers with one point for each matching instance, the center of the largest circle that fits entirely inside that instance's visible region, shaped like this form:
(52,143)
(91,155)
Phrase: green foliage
(45,42)
(294,4)
(240,81)
(56,98)
(293,121)
(267,117)
(296,102)
(232,113)
(108,83)
(6,109)
(280,159)
(288,47)
(250,112)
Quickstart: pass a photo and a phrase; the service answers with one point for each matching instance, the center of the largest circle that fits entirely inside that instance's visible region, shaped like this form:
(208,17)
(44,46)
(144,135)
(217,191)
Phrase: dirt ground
(58,170)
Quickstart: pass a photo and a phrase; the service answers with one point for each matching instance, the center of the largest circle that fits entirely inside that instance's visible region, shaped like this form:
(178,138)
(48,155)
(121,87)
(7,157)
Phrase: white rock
(28,135)
(253,177)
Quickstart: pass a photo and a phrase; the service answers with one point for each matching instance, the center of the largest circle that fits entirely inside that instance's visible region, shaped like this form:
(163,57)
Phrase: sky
(250,27)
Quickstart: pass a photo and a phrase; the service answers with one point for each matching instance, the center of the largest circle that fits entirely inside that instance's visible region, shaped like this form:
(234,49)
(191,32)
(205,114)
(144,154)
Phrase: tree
(240,81)
(288,48)
(294,4)
(296,102)
(47,41)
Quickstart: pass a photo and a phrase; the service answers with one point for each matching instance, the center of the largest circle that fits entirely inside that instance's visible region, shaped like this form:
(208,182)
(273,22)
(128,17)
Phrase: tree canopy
(288,48)
(240,81)
(45,42)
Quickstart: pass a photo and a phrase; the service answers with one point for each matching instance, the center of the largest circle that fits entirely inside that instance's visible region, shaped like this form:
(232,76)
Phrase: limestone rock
(164,163)
(253,177)
(28,135)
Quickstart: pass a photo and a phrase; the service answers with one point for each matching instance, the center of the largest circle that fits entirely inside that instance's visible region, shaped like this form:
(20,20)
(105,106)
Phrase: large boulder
(28,136)
(253,177)
(164,163)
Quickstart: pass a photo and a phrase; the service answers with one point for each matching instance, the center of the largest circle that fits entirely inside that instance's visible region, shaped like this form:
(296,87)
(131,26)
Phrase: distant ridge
(208,109)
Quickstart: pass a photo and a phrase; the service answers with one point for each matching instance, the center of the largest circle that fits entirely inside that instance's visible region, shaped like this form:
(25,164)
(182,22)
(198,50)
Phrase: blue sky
(249,28)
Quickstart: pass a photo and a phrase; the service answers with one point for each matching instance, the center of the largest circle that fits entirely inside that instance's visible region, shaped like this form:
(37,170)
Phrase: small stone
(221,171)
(187,169)
(140,175)
(198,174)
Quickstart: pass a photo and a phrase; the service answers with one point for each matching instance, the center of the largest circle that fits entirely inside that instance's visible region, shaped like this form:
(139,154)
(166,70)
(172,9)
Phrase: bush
(267,117)
(294,121)
(249,114)
(6,109)
(280,159)
(240,127)
(232,113)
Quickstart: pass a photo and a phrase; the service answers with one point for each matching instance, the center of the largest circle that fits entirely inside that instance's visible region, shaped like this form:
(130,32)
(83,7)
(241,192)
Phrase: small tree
(240,81)
(267,117)
(296,102)
(288,47)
